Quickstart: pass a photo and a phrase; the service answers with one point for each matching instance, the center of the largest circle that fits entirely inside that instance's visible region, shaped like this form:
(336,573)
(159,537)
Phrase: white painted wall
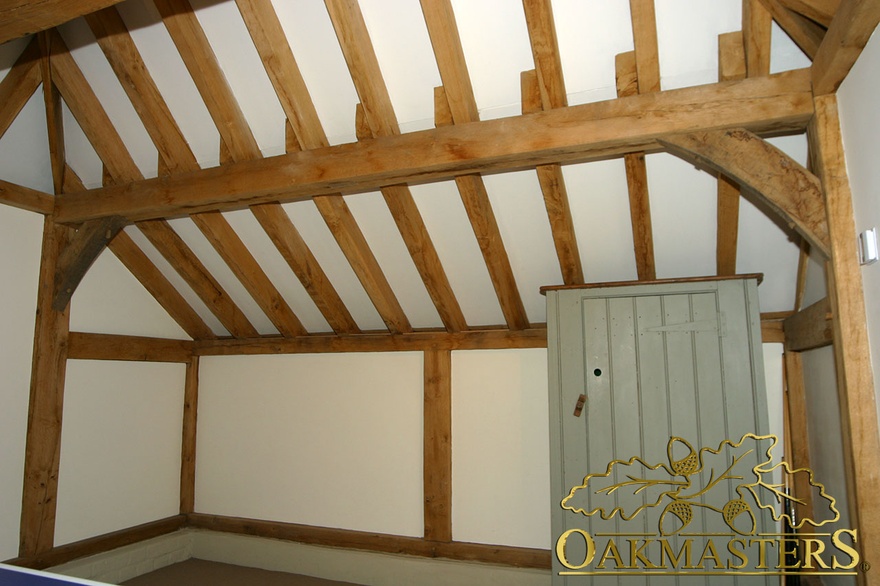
(120,447)
(20,237)
(327,440)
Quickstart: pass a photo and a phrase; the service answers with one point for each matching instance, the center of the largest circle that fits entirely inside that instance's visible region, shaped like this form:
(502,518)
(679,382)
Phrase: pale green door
(655,362)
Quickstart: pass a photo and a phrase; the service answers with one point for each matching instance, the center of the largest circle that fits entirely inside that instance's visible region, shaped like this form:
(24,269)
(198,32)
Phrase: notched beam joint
(90,240)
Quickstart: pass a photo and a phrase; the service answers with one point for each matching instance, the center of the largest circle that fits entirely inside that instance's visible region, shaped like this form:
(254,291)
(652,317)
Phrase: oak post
(188,449)
(43,443)
(855,381)
(438,445)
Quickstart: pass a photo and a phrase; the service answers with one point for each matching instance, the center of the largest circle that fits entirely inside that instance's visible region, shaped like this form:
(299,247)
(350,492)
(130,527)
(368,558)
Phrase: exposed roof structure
(478,146)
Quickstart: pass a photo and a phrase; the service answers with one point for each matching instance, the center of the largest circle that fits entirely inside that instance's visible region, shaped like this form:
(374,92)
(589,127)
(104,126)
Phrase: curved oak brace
(788,188)
(89,241)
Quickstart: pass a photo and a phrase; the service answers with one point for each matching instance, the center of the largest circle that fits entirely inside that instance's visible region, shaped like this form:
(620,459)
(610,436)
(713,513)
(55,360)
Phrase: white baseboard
(360,567)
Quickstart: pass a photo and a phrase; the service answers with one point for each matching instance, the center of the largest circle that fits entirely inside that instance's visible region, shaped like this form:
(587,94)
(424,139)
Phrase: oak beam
(443,31)
(43,440)
(88,346)
(438,445)
(852,26)
(777,103)
(793,193)
(855,380)
(757,27)
(417,341)
(375,117)
(19,84)
(19,18)
(797,436)
(731,66)
(820,11)
(543,88)
(627,80)
(159,287)
(805,33)
(85,246)
(54,115)
(25,198)
(809,328)
(474,552)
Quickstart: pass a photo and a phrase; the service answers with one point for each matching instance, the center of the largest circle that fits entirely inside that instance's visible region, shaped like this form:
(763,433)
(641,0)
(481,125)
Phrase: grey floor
(195,572)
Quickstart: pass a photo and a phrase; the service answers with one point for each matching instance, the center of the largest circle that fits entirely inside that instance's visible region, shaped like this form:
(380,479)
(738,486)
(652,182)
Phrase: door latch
(579,406)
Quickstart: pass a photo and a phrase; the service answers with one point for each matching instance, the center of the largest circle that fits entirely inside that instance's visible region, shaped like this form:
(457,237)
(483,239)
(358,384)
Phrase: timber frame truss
(719,127)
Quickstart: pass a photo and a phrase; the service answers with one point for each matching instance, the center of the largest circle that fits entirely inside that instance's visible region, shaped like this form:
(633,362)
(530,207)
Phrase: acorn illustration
(681,510)
(735,509)
(686,466)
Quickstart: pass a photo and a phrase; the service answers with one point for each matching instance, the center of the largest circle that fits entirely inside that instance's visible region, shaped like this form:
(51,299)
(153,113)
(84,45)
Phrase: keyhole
(598,372)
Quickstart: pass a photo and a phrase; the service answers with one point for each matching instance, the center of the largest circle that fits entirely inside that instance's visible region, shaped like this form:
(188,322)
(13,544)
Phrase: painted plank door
(649,363)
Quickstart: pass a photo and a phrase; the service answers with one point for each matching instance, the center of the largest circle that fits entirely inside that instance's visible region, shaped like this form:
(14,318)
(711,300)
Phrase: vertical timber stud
(43,447)
(851,351)
(188,449)
(438,445)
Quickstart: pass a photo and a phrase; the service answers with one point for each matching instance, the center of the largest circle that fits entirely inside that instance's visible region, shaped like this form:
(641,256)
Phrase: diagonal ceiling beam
(19,18)
(260,17)
(95,123)
(847,35)
(793,193)
(586,132)
(19,85)
(820,11)
(804,32)
(543,89)
(377,118)
(731,66)
(449,54)
(177,156)
(306,130)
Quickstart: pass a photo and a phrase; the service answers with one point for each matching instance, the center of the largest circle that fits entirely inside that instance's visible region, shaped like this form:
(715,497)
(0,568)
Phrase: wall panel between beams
(120,447)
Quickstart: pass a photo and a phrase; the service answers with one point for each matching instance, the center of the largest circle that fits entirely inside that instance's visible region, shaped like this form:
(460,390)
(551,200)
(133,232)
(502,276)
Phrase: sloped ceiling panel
(496,46)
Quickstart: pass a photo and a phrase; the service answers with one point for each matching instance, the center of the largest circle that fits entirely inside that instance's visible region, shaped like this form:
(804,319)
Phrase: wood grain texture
(19,18)
(188,437)
(798,433)
(118,47)
(45,407)
(809,328)
(25,198)
(851,347)
(375,117)
(354,246)
(19,84)
(199,58)
(647,53)
(804,32)
(84,247)
(793,193)
(248,271)
(627,79)
(757,27)
(449,53)
(496,554)
(847,35)
(179,255)
(563,135)
(54,114)
(159,287)
(820,11)
(89,346)
(292,247)
(731,66)
(419,341)
(545,51)
(438,445)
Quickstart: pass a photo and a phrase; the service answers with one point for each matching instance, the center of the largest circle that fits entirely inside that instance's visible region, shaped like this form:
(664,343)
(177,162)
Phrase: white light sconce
(868,253)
